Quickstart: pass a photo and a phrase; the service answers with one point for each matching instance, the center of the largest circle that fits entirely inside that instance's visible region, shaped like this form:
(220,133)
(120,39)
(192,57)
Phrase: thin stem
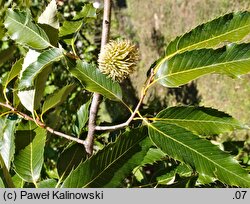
(136,111)
(73,46)
(51,130)
(97,97)
(41,124)
(5,113)
(5,95)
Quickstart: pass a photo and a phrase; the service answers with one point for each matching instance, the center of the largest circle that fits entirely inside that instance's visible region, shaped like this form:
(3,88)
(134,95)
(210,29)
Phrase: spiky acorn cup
(118,59)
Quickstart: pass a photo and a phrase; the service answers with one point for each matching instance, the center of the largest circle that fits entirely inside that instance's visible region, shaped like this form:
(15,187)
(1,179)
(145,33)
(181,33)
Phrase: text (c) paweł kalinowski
(55,194)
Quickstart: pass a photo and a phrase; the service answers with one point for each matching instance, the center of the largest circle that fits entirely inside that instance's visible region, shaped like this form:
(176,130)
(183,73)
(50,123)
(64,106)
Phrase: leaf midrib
(196,152)
(193,45)
(68,165)
(24,27)
(200,68)
(115,96)
(204,41)
(44,65)
(193,120)
(48,101)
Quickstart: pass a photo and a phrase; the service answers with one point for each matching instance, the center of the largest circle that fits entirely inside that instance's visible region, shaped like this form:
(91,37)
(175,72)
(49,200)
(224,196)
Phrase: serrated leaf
(168,178)
(43,60)
(201,120)
(31,97)
(57,98)
(21,28)
(48,183)
(200,154)
(70,158)
(27,97)
(1,183)
(29,161)
(82,116)
(113,163)
(232,60)
(49,15)
(153,155)
(88,11)
(15,70)
(7,144)
(229,28)
(93,80)
(49,22)
(40,83)
(70,27)
(18,182)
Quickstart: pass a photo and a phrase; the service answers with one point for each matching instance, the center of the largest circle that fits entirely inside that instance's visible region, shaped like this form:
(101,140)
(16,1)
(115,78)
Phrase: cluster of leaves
(174,142)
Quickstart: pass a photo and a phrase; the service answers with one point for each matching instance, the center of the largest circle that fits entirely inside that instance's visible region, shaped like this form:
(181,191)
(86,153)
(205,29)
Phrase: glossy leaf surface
(29,161)
(43,60)
(201,120)
(232,60)
(21,28)
(115,162)
(93,80)
(57,98)
(229,28)
(206,158)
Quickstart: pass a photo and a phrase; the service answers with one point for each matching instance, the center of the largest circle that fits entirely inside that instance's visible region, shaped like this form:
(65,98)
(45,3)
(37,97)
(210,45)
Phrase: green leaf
(1,183)
(229,28)
(93,80)
(201,120)
(31,97)
(43,60)
(82,116)
(233,60)
(48,183)
(21,28)
(19,182)
(27,97)
(2,126)
(40,83)
(7,144)
(2,32)
(5,173)
(15,70)
(57,98)
(49,15)
(29,161)
(153,155)
(88,11)
(200,154)
(49,22)
(70,27)
(70,158)
(113,163)
(168,178)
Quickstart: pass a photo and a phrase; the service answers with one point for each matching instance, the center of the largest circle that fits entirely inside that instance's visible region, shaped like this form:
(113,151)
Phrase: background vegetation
(153,24)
